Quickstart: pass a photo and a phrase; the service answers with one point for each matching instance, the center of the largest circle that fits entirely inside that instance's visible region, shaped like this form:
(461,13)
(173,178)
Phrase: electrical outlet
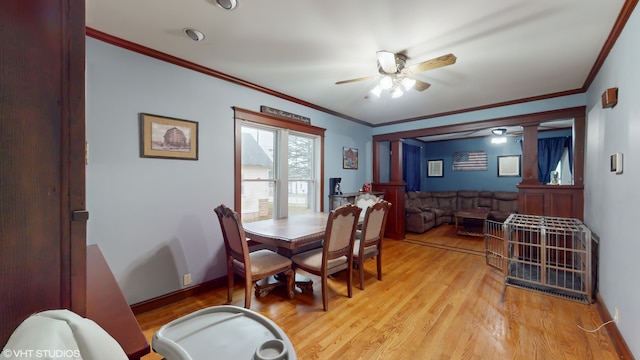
(616,316)
(186,279)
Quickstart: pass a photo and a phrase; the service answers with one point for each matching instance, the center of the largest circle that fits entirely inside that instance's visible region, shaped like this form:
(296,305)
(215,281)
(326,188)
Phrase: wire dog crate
(549,255)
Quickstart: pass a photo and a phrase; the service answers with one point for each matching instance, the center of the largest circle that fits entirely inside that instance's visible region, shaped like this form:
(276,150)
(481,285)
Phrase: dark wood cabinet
(393,193)
(551,200)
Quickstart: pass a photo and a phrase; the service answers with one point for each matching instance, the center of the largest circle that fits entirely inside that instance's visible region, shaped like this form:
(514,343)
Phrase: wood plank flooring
(432,303)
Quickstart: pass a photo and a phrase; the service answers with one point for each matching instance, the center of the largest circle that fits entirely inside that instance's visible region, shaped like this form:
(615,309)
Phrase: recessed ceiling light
(227,4)
(194,34)
(499,131)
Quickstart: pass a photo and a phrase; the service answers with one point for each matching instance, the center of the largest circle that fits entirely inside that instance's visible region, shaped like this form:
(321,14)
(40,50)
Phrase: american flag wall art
(470,161)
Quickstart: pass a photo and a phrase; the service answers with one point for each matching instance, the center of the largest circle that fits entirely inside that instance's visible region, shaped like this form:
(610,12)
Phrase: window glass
(258,173)
(277,182)
(301,192)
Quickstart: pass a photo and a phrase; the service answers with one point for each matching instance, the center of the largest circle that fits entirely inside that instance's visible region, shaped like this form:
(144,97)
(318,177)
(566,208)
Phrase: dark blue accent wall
(470,180)
(473,180)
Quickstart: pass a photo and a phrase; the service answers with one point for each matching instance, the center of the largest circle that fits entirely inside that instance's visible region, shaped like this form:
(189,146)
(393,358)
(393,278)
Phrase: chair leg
(229,285)
(361,274)
(325,302)
(349,276)
(248,284)
(379,261)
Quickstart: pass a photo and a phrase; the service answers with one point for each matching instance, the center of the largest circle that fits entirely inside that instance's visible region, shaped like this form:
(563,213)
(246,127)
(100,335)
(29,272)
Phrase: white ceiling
(506,49)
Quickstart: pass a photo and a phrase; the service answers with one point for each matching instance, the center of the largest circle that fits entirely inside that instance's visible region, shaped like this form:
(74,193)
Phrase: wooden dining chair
(336,253)
(363,201)
(252,266)
(368,243)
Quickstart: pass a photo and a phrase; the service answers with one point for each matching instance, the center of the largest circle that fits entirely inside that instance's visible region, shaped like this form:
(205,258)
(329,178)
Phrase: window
(259,173)
(562,174)
(302,176)
(279,172)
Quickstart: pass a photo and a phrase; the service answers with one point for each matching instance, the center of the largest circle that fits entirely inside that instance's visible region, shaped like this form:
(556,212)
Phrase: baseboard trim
(166,299)
(614,333)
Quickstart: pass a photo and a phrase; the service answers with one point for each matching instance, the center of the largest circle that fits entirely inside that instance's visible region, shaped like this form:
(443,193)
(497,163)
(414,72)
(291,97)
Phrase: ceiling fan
(395,75)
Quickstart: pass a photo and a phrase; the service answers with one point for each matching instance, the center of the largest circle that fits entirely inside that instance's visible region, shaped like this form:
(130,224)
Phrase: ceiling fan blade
(441,61)
(355,80)
(387,61)
(421,85)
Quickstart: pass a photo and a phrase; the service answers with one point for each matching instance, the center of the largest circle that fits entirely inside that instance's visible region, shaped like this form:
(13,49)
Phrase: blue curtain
(549,154)
(411,167)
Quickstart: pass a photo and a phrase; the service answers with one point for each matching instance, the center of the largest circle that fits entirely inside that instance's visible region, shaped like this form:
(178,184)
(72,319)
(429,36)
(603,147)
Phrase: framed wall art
(435,168)
(509,165)
(349,158)
(168,138)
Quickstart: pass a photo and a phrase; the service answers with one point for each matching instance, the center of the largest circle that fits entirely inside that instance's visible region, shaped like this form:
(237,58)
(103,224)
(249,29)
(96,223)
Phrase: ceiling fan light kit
(396,93)
(408,83)
(394,84)
(396,75)
(386,83)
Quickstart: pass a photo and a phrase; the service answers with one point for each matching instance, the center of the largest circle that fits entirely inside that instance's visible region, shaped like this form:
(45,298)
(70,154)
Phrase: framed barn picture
(168,138)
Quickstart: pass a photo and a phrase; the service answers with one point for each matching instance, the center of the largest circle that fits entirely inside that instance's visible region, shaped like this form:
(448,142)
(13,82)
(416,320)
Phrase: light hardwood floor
(432,303)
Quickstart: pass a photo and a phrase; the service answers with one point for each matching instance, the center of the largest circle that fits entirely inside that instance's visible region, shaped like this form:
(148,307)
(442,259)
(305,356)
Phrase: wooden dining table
(290,235)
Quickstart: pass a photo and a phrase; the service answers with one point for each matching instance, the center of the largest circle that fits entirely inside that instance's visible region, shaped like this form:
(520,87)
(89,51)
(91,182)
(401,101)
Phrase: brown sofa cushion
(411,200)
(505,201)
(427,200)
(467,199)
(446,199)
(484,199)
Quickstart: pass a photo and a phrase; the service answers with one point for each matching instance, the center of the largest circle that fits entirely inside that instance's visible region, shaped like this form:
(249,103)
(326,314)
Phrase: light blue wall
(153,218)
(611,201)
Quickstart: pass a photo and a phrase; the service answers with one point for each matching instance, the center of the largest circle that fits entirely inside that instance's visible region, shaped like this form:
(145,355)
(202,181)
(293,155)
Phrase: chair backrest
(341,231)
(363,201)
(375,219)
(235,241)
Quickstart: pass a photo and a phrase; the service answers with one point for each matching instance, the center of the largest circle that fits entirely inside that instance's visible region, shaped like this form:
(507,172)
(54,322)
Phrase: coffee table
(471,228)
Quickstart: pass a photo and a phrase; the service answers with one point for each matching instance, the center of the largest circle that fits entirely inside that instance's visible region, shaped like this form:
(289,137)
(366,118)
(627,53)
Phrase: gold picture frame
(168,138)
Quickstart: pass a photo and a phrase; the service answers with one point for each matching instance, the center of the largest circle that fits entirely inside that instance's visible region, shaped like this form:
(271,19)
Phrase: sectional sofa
(427,209)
